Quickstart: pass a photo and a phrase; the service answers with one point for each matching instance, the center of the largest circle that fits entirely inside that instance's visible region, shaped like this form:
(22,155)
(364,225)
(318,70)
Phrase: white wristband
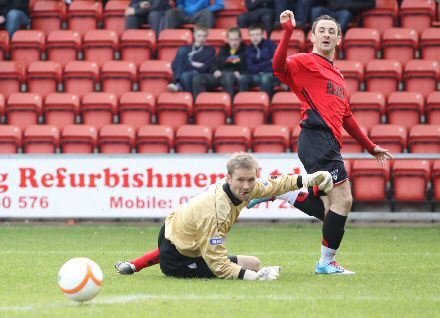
(250,275)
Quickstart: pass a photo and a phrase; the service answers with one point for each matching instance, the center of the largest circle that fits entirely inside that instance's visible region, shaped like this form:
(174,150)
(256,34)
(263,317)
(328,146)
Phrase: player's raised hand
(382,155)
(286,16)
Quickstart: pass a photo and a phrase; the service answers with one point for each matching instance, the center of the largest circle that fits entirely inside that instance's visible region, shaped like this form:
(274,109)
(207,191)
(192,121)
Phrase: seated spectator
(152,12)
(259,62)
(258,11)
(15,13)
(230,64)
(191,60)
(193,11)
(301,9)
(342,10)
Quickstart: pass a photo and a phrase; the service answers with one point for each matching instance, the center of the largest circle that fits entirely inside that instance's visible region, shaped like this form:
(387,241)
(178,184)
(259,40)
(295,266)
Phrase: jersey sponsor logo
(334,89)
(334,174)
(216,240)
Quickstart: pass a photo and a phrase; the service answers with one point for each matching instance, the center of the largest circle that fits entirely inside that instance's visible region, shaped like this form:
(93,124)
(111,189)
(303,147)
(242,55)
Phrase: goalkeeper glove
(322,179)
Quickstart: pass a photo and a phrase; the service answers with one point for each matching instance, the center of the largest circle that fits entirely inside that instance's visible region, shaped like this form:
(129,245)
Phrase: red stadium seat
(436,179)
(136,109)
(100,46)
(169,42)
(80,77)
(98,109)
(193,139)
(2,107)
(83,16)
(285,109)
(400,44)
(405,108)
(228,16)
(250,109)
(4,44)
(217,38)
(212,109)
(421,76)
(118,77)
(432,108)
(155,139)
(154,77)
(424,139)
(411,178)
(61,109)
(349,144)
(270,139)
(43,77)
(63,46)
(41,139)
(12,75)
(417,14)
(296,42)
(382,17)
(361,44)
(430,44)
(383,76)
(353,73)
(368,107)
(231,138)
(116,139)
(27,46)
(295,135)
(369,180)
(391,137)
(48,15)
(23,109)
(10,139)
(79,139)
(114,15)
(174,109)
(137,46)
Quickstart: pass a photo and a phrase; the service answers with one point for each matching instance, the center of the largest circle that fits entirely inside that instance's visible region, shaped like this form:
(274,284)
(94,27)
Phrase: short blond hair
(241,160)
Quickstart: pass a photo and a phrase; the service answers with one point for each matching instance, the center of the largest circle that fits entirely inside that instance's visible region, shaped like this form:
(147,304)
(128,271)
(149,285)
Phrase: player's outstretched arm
(288,23)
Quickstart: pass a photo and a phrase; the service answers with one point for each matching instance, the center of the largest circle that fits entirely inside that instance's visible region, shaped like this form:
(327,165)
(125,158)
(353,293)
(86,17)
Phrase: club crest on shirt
(216,240)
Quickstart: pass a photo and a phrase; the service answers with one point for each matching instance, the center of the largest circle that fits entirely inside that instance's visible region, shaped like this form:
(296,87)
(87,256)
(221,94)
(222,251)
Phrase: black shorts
(172,263)
(319,150)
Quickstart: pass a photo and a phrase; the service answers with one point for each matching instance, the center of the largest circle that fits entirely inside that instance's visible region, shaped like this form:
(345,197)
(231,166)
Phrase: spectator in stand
(258,11)
(191,60)
(259,62)
(152,12)
(230,64)
(14,14)
(342,10)
(193,11)
(302,9)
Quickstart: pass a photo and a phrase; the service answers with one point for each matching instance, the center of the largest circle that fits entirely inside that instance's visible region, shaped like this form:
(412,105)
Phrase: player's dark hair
(325,17)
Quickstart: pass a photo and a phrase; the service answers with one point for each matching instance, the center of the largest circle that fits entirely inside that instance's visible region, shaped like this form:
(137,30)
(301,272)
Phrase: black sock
(333,230)
(310,205)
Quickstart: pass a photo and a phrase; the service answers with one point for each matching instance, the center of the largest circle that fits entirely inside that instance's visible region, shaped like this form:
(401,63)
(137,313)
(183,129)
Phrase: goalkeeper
(192,242)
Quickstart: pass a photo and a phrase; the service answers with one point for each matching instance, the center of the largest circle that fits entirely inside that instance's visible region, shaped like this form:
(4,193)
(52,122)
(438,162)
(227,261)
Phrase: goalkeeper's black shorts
(172,263)
(319,150)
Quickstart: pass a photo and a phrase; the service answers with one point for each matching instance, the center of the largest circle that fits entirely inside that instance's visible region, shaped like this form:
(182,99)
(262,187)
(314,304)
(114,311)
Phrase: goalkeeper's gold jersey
(199,227)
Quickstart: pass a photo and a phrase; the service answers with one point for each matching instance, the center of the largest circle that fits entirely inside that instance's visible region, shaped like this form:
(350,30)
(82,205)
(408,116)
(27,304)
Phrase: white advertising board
(62,186)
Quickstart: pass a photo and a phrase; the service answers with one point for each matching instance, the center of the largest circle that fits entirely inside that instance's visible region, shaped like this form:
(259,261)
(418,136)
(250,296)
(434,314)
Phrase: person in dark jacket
(258,11)
(193,11)
(259,61)
(151,12)
(191,60)
(14,14)
(342,10)
(230,64)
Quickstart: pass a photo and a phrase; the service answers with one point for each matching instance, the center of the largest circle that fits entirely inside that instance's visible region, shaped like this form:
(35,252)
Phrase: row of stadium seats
(85,15)
(212,109)
(360,44)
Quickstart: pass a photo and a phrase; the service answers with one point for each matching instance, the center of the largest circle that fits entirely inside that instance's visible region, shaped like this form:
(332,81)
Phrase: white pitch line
(127,299)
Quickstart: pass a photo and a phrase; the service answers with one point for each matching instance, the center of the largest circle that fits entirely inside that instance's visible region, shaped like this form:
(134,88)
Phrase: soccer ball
(80,279)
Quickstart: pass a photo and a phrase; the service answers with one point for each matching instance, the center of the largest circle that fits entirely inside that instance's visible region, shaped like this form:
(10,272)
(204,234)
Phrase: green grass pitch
(398,274)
